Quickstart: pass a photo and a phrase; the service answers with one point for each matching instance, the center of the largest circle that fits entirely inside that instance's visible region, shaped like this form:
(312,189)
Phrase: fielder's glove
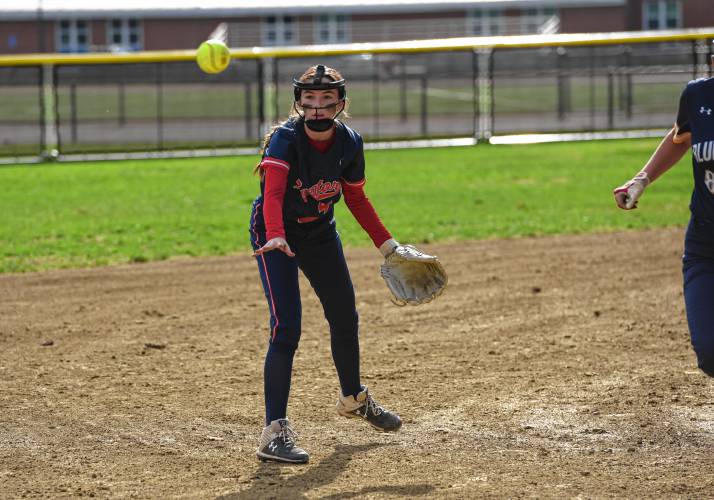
(626,196)
(412,276)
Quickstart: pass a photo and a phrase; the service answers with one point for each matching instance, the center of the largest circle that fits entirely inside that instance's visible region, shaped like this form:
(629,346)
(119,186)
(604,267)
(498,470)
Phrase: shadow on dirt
(267,481)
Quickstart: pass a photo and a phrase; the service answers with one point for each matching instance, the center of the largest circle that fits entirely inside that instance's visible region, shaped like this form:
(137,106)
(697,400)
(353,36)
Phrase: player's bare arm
(667,154)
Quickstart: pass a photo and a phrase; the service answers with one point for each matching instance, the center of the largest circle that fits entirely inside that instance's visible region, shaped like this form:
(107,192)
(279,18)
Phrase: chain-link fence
(21,113)
(478,93)
(156,106)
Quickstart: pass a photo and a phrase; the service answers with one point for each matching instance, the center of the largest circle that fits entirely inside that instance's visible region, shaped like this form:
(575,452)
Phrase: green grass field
(89,214)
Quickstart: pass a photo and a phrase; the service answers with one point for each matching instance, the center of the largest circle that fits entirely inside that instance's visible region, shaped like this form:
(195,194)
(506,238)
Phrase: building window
(331,29)
(661,14)
(486,22)
(73,35)
(124,35)
(543,20)
(279,30)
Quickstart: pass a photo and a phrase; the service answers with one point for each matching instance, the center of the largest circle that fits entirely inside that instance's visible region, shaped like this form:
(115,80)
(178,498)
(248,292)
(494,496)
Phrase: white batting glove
(626,196)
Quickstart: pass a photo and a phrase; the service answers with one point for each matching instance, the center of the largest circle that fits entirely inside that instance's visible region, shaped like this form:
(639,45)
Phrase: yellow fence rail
(404,47)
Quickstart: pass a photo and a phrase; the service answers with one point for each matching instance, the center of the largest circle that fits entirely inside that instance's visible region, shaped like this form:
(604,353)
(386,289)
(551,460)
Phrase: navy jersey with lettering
(314,182)
(696,117)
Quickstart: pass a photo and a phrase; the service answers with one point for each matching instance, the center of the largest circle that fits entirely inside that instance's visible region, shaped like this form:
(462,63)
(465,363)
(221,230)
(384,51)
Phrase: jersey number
(709,180)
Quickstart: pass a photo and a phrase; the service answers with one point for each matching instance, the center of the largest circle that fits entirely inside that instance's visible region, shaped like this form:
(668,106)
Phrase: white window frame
(486,20)
(661,14)
(532,19)
(281,26)
(125,31)
(331,23)
(73,44)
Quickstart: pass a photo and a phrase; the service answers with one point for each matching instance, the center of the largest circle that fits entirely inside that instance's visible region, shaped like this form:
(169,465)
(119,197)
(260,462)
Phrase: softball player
(694,128)
(310,161)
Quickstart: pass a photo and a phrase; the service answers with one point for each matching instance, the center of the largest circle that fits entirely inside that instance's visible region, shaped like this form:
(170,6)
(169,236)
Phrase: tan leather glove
(412,276)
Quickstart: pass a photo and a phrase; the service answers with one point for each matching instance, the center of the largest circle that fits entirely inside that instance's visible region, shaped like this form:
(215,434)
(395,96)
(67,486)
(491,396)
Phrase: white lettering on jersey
(709,180)
(703,151)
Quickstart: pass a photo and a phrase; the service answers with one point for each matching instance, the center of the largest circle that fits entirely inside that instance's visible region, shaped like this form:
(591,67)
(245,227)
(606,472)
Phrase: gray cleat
(367,408)
(277,443)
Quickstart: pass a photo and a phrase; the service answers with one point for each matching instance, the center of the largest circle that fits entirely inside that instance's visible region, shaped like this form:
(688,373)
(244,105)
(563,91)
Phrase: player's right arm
(674,145)
(275,179)
(275,166)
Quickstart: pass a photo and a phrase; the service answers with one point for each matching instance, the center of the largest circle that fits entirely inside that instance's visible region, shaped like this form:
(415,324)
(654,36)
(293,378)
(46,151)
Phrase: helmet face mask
(317,84)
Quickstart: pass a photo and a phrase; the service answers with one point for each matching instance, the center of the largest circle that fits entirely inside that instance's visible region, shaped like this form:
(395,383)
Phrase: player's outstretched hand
(274,243)
(626,196)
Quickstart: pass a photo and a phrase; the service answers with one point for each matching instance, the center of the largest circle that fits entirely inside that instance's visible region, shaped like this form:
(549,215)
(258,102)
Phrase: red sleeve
(276,182)
(363,211)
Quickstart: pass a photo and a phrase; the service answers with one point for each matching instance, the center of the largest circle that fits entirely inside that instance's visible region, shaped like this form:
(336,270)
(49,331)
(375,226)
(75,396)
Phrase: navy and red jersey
(303,179)
(314,182)
(696,119)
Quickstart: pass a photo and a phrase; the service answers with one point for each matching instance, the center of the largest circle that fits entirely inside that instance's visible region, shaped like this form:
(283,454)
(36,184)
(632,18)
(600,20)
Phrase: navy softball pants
(698,270)
(319,255)
(699,299)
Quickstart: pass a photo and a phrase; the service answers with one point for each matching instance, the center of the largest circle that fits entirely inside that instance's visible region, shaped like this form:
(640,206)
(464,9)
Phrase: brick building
(83,26)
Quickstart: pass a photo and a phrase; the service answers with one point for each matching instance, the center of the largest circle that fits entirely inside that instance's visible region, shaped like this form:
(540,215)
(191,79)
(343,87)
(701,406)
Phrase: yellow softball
(213,56)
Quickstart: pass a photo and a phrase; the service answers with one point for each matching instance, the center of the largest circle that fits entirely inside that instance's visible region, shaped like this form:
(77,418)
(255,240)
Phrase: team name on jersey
(321,190)
(703,151)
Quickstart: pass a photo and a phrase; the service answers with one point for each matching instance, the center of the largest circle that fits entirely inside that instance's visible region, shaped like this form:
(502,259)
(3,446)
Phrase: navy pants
(319,255)
(699,299)
(698,270)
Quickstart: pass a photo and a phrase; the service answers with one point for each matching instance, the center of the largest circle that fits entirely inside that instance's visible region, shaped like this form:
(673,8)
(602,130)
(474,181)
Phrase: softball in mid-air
(213,56)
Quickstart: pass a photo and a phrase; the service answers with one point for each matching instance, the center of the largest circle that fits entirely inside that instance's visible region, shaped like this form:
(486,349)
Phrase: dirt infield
(551,367)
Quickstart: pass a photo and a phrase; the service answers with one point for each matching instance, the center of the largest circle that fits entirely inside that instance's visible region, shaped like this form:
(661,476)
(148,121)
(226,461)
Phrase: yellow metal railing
(410,46)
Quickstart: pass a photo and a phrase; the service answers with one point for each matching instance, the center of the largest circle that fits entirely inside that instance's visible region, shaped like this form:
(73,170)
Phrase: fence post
(628,85)
(563,83)
(55,101)
(375,96)
(694,59)
(700,48)
(475,92)
(159,106)
(267,68)
(42,115)
(592,87)
(424,96)
(403,89)
(276,86)
(50,142)
(73,111)
(610,99)
(621,70)
(485,87)
(262,126)
(248,110)
(492,100)
(121,104)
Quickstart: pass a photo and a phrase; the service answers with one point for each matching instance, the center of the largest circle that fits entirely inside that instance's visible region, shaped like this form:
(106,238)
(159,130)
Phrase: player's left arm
(367,217)
(353,181)
(412,276)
